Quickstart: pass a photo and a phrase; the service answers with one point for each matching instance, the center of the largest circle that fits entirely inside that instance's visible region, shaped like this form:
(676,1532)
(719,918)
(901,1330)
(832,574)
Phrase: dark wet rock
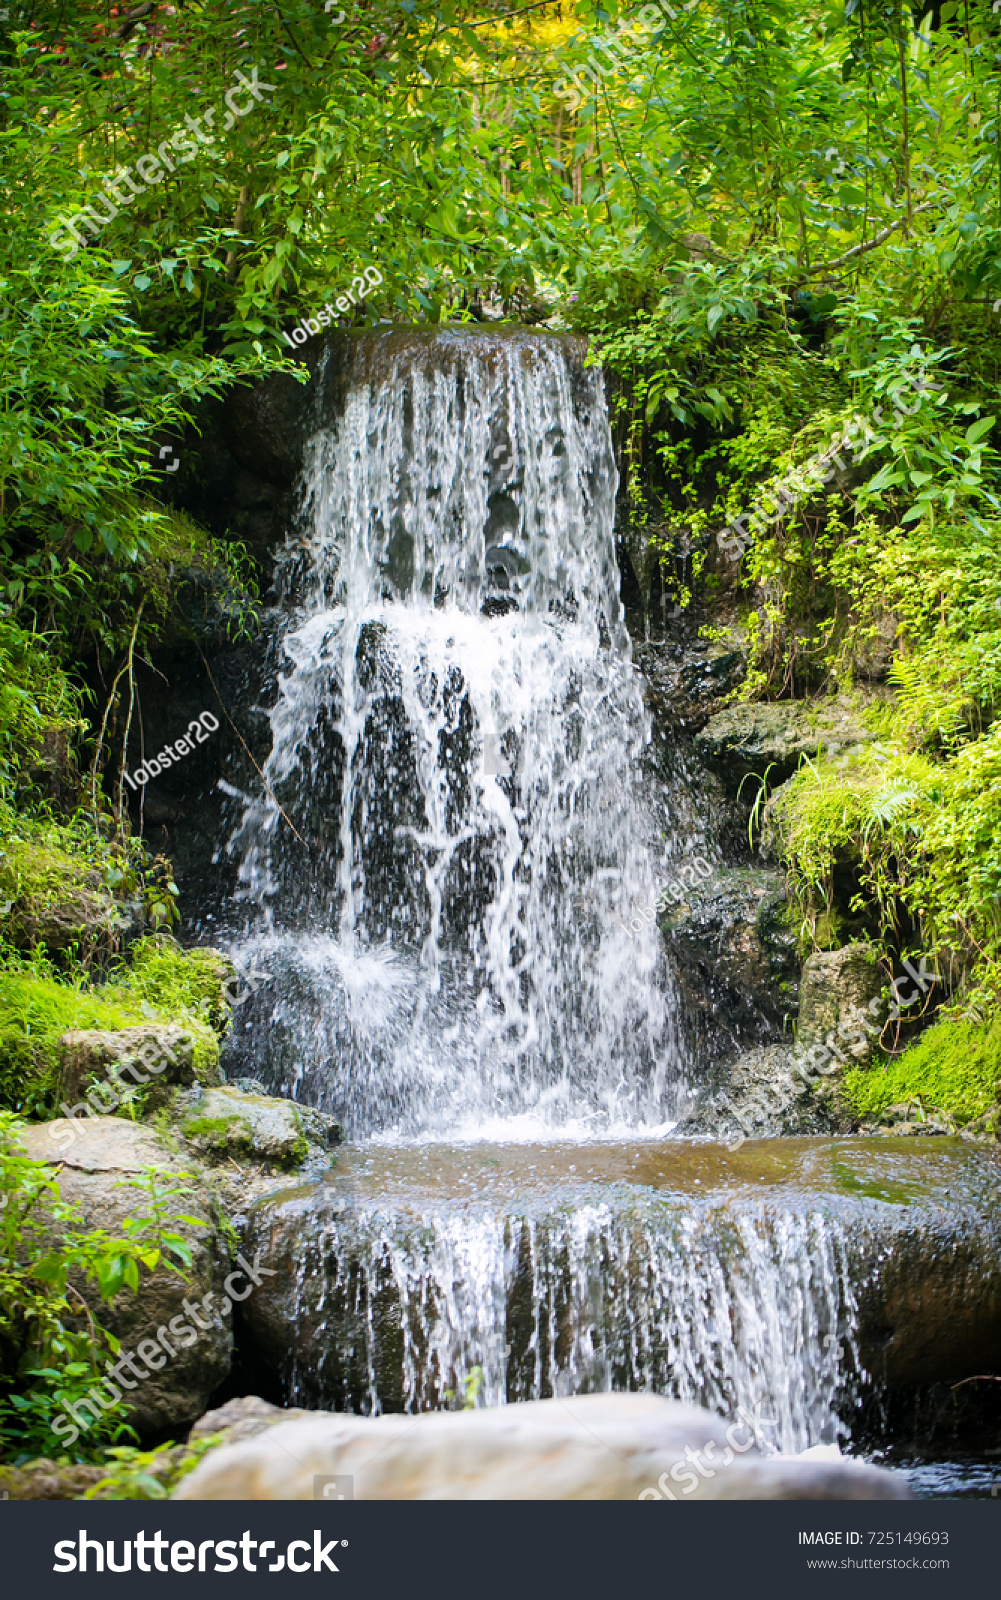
(688,678)
(931,1309)
(748,739)
(586,1447)
(92,1171)
(735,953)
(795,1086)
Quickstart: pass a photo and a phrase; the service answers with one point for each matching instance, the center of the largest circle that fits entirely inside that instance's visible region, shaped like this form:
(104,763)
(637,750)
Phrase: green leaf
(977,430)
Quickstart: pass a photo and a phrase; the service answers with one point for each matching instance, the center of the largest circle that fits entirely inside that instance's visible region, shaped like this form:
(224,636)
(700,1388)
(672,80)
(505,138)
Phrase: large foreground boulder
(591,1447)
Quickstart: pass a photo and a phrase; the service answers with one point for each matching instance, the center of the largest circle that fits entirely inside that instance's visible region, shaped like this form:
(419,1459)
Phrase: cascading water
(459,817)
(457,743)
(412,1313)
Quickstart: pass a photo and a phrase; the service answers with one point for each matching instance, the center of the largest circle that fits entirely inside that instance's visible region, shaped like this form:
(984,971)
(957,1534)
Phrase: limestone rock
(590,1447)
(749,738)
(92,1170)
(164,1054)
(245,1418)
(835,986)
(230,1121)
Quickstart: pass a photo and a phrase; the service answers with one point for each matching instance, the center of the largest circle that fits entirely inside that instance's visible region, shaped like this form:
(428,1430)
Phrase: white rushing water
(459,748)
(457,740)
(450,1306)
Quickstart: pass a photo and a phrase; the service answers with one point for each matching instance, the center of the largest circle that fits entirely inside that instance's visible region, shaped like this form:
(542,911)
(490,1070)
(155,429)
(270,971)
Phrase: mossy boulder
(748,739)
(164,1055)
(224,1122)
(35,1013)
(49,1480)
(835,986)
(163,987)
(58,899)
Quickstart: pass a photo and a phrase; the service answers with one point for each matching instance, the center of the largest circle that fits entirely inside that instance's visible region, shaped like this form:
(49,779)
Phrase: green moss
(220,1132)
(36,1009)
(57,898)
(300,1149)
(165,984)
(954,1066)
(172,980)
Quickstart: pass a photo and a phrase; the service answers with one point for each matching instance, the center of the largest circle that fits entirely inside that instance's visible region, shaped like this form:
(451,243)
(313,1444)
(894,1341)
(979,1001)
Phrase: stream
(464,805)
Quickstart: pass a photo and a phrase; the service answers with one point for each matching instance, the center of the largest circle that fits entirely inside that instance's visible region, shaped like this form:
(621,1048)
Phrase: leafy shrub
(38,705)
(51,1342)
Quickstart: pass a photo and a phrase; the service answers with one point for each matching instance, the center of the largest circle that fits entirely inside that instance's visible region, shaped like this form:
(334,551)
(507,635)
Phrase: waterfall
(397,1311)
(452,835)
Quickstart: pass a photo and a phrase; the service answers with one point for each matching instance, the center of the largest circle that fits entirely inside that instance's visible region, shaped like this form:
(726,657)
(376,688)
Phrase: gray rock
(761,1096)
(229,1121)
(745,739)
(590,1447)
(91,1171)
(164,1054)
(835,987)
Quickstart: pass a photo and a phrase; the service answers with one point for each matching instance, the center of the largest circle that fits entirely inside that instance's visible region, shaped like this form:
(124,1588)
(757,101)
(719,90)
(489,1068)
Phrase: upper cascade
(472,469)
(457,742)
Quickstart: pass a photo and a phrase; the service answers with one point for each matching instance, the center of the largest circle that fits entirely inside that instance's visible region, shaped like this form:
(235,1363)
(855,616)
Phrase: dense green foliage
(52,1343)
(771,219)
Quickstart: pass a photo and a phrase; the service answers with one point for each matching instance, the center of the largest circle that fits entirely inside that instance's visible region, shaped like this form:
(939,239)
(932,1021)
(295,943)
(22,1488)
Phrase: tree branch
(861,249)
